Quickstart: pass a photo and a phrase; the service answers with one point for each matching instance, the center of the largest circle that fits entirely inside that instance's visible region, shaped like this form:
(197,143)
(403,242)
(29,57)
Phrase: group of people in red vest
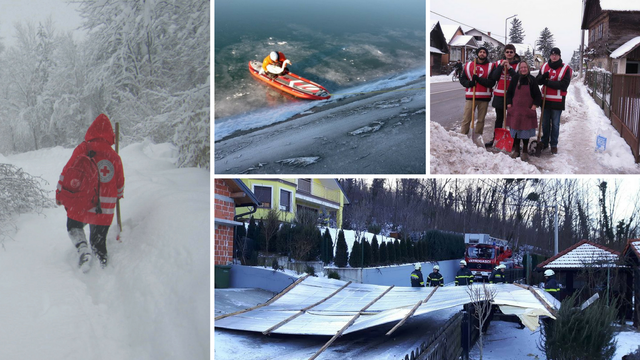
(484,80)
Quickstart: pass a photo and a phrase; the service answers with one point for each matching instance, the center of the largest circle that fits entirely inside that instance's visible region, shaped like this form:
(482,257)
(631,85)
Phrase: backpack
(81,184)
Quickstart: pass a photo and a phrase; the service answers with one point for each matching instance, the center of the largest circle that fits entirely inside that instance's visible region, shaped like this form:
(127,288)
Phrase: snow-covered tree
(545,43)
(516,32)
(528,57)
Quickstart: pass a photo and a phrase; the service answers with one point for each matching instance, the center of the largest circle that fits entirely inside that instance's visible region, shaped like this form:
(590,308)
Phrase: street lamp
(505,28)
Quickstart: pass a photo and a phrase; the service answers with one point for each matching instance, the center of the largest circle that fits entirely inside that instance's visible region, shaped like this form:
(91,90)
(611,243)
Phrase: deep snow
(580,124)
(153,299)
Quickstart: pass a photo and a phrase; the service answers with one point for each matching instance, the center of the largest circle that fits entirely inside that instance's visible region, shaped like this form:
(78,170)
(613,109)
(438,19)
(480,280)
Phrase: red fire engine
(484,252)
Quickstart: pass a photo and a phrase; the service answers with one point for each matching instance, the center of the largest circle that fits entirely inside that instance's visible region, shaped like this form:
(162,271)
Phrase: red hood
(101,129)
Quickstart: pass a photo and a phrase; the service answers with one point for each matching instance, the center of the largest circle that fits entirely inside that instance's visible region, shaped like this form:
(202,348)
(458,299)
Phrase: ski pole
(119,220)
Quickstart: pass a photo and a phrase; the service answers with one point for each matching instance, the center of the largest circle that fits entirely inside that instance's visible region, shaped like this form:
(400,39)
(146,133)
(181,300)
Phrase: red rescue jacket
(99,138)
(482,70)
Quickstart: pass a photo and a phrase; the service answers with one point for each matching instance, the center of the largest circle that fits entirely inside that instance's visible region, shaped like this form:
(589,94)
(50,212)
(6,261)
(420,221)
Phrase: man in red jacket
(110,187)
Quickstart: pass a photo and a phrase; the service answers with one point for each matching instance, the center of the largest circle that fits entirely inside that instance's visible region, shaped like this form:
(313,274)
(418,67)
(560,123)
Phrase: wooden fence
(619,96)
(625,110)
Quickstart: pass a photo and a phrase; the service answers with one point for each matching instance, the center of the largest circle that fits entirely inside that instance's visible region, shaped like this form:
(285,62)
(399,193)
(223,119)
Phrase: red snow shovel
(503,139)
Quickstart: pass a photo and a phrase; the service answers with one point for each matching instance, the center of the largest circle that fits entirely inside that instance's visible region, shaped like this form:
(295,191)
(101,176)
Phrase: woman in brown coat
(523,97)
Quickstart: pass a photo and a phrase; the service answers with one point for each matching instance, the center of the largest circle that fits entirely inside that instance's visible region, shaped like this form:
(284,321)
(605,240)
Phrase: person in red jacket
(475,76)
(97,143)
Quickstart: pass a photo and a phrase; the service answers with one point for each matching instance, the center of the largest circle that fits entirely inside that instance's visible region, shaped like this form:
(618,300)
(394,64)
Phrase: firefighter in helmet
(416,276)
(464,275)
(498,276)
(551,284)
(435,278)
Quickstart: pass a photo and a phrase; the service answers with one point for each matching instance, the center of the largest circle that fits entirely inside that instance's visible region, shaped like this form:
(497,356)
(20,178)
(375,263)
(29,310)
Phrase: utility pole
(555,231)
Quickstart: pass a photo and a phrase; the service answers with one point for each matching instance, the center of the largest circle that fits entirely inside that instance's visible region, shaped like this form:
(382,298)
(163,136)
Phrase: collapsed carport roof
(318,306)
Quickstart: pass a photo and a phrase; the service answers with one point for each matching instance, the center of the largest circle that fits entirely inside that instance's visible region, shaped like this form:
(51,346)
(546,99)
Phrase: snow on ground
(440,78)
(153,299)
(581,122)
(504,341)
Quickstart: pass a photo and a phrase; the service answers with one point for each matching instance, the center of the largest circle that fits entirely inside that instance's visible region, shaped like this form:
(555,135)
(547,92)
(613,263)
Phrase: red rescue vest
(554,95)
(499,89)
(483,70)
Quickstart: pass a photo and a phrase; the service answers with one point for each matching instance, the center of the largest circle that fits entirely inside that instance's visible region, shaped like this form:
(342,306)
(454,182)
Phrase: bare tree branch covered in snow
(481,297)
(20,193)
(145,64)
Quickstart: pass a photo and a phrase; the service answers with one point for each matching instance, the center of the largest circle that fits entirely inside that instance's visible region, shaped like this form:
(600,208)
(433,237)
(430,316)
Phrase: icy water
(339,44)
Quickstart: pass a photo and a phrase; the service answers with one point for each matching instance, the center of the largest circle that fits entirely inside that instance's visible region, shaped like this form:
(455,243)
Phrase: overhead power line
(461,23)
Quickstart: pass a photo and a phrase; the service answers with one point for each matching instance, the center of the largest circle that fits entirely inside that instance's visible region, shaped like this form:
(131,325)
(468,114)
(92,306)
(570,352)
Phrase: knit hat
(482,48)
(555,50)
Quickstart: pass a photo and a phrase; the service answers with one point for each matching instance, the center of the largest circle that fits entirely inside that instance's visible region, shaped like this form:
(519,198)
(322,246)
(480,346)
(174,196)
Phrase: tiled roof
(582,254)
(632,245)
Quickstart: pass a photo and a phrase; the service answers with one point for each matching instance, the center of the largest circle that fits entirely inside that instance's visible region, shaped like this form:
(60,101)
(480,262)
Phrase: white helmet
(436,267)
(418,266)
(502,266)
(274,56)
(462,262)
(549,272)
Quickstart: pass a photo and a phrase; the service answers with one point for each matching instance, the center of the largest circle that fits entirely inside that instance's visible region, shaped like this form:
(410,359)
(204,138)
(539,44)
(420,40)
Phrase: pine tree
(545,43)
(327,247)
(251,231)
(375,251)
(516,33)
(355,258)
(368,254)
(341,251)
(391,252)
(384,259)
(528,58)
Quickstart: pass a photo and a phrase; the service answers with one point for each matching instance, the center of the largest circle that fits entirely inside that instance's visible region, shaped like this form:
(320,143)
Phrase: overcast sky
(562,17)
(64,16)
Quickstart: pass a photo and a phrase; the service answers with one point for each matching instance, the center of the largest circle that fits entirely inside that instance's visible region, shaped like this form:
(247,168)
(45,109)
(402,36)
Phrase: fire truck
(484,252)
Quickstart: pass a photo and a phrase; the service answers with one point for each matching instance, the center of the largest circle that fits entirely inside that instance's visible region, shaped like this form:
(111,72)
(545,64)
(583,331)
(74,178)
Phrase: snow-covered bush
(20,192)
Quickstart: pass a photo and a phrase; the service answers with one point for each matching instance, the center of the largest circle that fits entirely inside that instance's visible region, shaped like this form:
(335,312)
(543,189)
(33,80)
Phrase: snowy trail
(581,122)
(151,302)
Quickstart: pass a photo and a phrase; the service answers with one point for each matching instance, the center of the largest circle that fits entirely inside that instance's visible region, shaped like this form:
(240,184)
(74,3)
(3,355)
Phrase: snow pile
(440,78)
(151,302)
(455,153)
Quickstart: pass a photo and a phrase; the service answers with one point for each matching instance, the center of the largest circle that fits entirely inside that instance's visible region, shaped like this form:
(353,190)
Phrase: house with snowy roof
(585,265)
(437,47)
(631,258)
(614,29)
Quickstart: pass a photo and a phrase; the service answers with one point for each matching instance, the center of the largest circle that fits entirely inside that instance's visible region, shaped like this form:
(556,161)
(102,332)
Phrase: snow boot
(515,152)
(524,156)
(79,240)
(554,150)
(102,258)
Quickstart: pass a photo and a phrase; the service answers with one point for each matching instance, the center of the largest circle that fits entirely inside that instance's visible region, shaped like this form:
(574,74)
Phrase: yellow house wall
(275,186)
(317,189)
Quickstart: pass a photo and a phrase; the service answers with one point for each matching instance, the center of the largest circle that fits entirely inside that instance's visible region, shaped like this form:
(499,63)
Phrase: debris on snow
(300,161)
(373,127)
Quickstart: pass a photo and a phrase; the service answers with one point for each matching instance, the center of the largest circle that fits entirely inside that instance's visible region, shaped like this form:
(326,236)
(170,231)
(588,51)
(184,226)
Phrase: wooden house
(612,25)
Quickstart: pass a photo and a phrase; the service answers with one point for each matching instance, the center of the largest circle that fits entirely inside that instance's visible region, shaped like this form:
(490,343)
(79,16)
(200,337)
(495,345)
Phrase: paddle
(503,139)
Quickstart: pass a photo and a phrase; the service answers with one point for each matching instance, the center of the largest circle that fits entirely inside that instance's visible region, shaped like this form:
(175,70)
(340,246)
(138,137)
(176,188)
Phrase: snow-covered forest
(604,211)
(143,63)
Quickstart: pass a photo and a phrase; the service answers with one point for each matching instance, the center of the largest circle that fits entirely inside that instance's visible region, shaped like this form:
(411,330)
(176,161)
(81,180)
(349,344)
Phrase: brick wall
(223,235)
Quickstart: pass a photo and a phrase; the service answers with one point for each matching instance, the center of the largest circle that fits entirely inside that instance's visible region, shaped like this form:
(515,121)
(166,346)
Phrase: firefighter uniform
(416,279)
(497,277)
(551,286)
(464,277)
(435,279)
